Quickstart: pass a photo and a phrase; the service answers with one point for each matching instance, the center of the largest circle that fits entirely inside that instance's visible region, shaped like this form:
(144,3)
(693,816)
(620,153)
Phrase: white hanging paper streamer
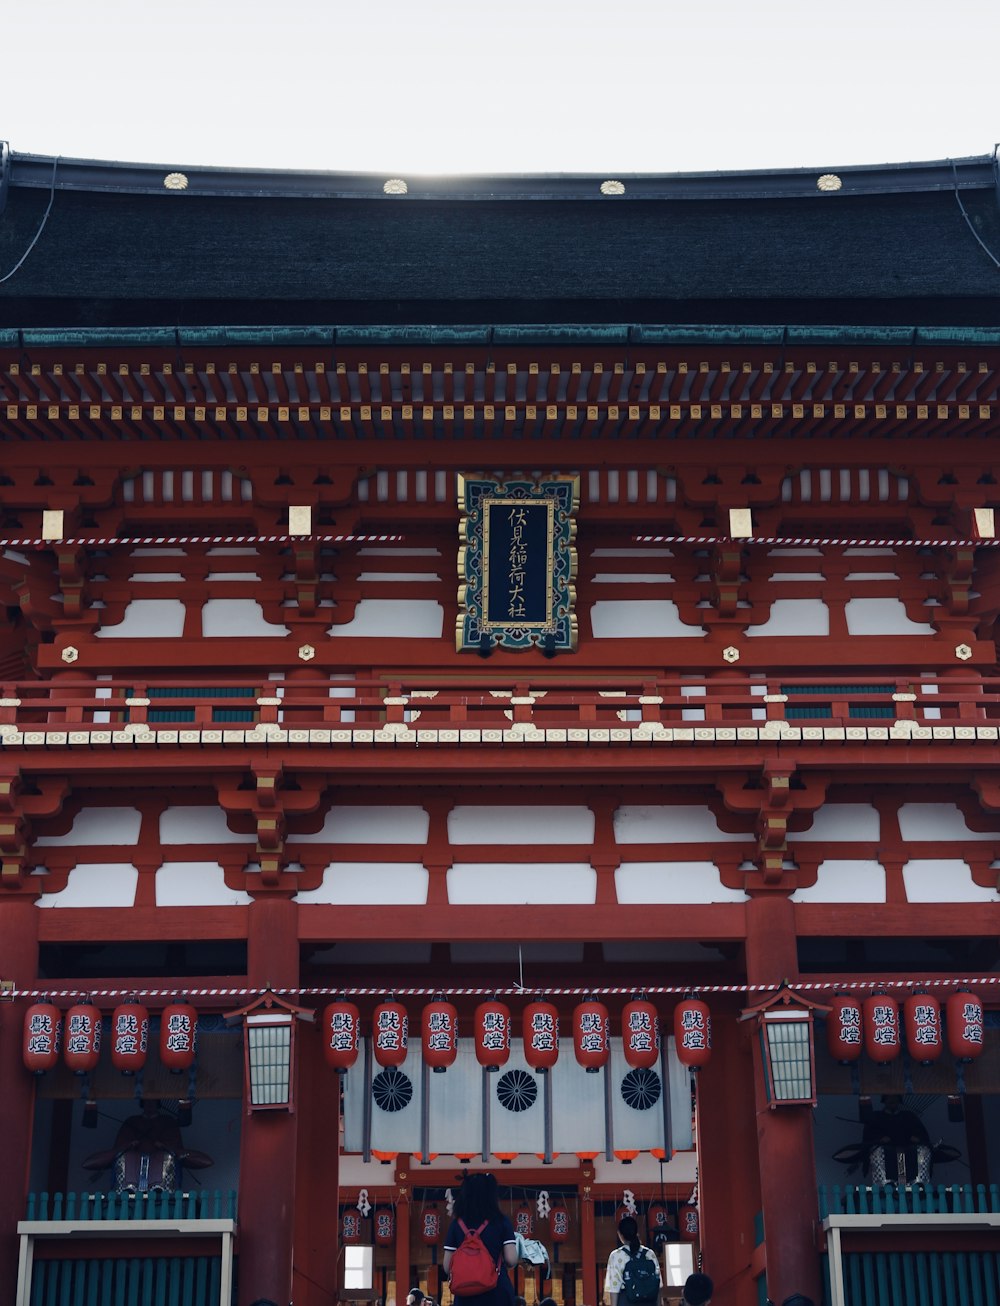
(364,1205)
(543,1205)
(628,1201)
(449,1202)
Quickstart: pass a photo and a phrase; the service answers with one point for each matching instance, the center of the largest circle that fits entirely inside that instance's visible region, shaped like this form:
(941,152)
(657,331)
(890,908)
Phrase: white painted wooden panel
(236,618)
(370,825)
(393,619)
(845,880)
(640,619)
(196,884)
(96,884)
(362,883)
(673,882)
(198,825)
(521,825)
(794,617)
(925,822)
(943,879)
(884,616)
(523,882)
(97,825)
(840,822)
(637,823)
(148,619)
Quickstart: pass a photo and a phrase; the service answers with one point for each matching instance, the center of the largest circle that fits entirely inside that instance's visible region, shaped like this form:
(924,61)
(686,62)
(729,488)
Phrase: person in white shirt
(628,1236)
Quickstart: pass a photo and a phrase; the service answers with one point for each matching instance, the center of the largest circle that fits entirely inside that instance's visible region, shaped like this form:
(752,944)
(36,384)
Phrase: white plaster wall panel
(797,575)
(399,575)
(97,825)
(393,619)
(884,616)
(156,577)
(841,822)
(633,578)
(232,551)
(148,619)
(198,825)
(529,883)
(845,880)
(232,575)
(196,884)
(673,882)
(932,822)
(348,824)
(367,883)
(943,879)
(872,575)
(236,618)
(96,884)
(640,619)
(636,823)
(518,825)
(794,617)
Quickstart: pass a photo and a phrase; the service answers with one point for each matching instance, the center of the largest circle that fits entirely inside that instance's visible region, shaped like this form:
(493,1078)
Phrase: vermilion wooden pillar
(314,1269)
(728,1181)
(592,1292)
(18,962)
(785,1135)
(403,1191)
(268,1149)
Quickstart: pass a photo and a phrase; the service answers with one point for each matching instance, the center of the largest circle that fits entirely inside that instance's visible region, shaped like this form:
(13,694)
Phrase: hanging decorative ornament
(350,1227)
(178,1036)
(129,1037)
(965,1025)
(449,1203)
(881,1022)
(843,1028)
(82,1038)
(341,1035)
(491,1031)
(42,1037)
(922,1021)
(640,1033)
(559,1223)
(542,1205)
(591,1035)
(390,1029)
(693,1032)
(439,1034)
(430,1226)
(385,1226)
(524,1221)
(364,1205)
(540,1031)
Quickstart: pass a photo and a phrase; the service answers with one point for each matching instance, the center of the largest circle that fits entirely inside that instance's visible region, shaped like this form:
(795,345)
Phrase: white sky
(608,86)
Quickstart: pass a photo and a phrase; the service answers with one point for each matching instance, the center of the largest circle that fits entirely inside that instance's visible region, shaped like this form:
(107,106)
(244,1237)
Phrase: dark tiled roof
(891,246)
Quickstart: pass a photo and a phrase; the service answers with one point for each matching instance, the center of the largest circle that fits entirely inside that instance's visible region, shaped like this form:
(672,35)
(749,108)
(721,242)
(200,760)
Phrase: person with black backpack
(633,1273)
(479,1246)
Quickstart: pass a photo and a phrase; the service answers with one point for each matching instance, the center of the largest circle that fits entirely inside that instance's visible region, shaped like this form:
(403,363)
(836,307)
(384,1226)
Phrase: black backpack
(640,1277)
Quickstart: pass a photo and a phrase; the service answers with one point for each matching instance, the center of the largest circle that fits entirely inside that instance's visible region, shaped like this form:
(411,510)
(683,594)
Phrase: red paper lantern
(178,1036)
(430,1225)
(881,1021)
(689,1223)
(439,1034)
(657,1220)
(506,1158)
(42,1037)
(524,1221)
(350,1226)
(82,1038)
(693,1032)
(341,1035)
(384,1158)
(591,1034)
(129,1037)
(390,1030)
(385,1226)
(491,1031)
(627,1156)
(922,1021)
(540,1030)
(640,1034)
(843,1028)
(965,1025)
(559,1224)
(621,1213)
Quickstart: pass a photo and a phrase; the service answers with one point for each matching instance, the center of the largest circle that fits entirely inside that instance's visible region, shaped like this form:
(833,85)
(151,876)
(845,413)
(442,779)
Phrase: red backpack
(473,1269)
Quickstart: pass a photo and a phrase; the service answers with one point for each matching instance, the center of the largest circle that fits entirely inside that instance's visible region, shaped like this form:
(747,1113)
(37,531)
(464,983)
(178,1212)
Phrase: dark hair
(797,1299)
(698,1289)
(478,1200)
(628,1227)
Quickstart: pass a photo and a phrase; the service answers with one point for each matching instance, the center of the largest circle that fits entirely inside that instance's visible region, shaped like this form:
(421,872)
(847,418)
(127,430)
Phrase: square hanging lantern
(269,1050)
(787,1049)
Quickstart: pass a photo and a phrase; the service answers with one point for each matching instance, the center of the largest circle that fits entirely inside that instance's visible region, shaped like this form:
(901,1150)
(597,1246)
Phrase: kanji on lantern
(439,1034)
(129,1037)
(640,1034)
(591,1034)
(924,1034)
(881,1024)
(540,1029)
(390,1033)
(42,1037)
(965,1025)
(341,1035)
(178,1036)
(82,1038)
(491,1032)
(843,1028)
(693,1032)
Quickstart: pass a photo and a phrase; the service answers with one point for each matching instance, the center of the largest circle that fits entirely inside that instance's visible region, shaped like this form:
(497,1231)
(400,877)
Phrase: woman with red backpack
(479,1245)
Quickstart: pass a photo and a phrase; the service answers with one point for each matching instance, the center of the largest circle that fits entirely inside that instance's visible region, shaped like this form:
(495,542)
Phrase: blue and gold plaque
(517,564)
